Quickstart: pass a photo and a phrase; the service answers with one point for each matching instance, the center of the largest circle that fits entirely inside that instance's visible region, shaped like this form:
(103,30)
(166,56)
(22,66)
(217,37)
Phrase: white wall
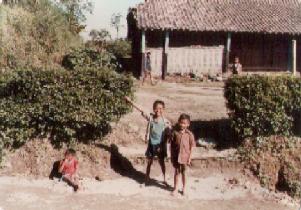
(197,60)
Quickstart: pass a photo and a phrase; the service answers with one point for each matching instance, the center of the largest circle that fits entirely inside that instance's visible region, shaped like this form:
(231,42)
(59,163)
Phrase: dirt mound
(276,161)
(37,158)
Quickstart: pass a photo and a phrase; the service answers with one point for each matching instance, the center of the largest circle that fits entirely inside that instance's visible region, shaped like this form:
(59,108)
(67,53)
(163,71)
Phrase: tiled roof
(267,16)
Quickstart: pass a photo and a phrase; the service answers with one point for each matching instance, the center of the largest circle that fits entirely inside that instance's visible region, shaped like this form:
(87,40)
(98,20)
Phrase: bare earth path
(217,181)
(211,193)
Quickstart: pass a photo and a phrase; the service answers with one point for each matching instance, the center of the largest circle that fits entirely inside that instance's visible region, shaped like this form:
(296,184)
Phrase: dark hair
(70,152)
(148,53)
(157,102)
(184,117)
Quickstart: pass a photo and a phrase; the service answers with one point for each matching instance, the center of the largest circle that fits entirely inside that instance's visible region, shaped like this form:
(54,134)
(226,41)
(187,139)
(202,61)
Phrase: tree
(75,11)
(116,23)
(10,2)
(20,2)
(100,37)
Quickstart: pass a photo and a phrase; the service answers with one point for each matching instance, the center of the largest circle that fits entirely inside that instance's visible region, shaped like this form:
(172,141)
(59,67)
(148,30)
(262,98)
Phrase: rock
(98,178)
(207,142)
(219,78)
(233,181)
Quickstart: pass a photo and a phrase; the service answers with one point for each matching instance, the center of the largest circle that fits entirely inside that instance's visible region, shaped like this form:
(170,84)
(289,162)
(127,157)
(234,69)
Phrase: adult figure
(148,69)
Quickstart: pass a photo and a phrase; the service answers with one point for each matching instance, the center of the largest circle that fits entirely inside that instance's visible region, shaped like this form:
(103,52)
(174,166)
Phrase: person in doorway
(157,134)
(237,67)
(148,69)
(182,142)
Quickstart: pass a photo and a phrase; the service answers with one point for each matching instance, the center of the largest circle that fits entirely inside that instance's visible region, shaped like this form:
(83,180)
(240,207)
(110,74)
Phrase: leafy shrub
(275,161)
(119,48)
(63,105)
(34,37)
(88,57)
(263,106)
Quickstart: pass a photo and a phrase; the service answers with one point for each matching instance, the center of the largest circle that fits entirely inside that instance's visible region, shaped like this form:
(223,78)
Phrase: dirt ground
(217,179)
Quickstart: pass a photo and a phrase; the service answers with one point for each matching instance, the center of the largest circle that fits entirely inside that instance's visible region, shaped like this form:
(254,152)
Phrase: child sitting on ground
(156,136)
(68,168)
(181,144)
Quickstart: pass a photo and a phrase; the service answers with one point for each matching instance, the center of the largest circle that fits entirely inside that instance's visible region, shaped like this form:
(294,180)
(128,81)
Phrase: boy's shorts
(65,176)
(156,150)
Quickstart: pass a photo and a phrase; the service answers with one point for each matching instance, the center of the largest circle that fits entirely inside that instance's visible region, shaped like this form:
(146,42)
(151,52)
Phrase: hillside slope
(34,38)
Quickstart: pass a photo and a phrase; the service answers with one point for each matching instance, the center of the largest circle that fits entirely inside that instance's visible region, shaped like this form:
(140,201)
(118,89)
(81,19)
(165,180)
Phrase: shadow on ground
(123,166)
(55,171)
(219,131)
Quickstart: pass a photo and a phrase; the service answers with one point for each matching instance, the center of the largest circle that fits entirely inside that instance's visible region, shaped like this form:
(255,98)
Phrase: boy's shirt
(181,146)
(70,167)
(156,130)
(237,68)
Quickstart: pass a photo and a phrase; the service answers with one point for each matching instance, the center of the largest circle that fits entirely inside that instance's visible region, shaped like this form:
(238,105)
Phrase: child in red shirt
(68,168)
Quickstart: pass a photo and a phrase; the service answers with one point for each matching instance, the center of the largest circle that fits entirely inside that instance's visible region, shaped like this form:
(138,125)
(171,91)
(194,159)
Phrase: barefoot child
(68,168)
(181,144)
(156,135)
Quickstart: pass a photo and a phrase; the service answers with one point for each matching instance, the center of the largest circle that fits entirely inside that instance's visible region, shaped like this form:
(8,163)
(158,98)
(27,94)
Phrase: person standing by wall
(148,69)
(237,67)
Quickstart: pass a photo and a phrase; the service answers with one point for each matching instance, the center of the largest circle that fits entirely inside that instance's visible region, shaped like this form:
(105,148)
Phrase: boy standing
(68,168)
(181,144)
(156,136)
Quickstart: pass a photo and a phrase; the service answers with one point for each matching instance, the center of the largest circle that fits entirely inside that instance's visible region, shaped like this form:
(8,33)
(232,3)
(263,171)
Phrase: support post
(294,57)
(143,49)
(165,55)
(227,52)
(289,57)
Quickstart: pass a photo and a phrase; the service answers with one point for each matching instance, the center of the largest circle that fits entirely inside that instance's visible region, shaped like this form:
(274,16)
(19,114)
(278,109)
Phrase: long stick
(133,104)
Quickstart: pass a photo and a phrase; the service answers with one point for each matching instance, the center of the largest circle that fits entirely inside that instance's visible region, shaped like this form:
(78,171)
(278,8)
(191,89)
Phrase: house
(204,36)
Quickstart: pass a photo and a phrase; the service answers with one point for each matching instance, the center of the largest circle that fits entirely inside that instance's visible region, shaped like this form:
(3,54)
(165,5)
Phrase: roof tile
(269,16)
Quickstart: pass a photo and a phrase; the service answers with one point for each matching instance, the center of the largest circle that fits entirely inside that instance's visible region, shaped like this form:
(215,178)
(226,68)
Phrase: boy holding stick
(157,133)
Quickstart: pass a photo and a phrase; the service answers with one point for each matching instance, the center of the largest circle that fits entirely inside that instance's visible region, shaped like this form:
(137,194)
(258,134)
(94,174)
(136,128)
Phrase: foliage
(98,39)
(100,36)
(63,105)
(34,37)
(101,39)
(75,12)
(263,106)
(276,161)
(120,48)
(88,57)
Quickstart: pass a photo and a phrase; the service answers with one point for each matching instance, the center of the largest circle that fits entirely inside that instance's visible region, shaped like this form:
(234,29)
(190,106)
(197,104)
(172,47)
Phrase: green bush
(119,48)
(66,106)
(34,37)
(88,57)
(262,105)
